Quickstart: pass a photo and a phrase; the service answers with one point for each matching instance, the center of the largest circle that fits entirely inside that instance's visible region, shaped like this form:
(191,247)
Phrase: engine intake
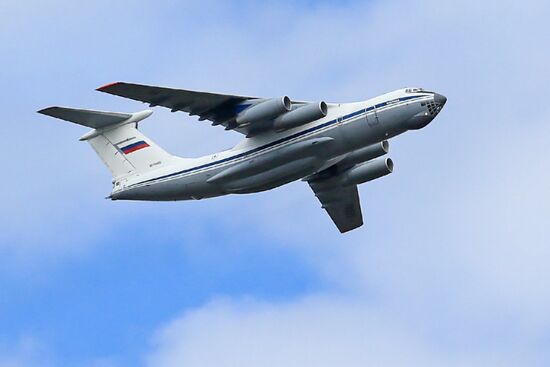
(265,110)
(300,116)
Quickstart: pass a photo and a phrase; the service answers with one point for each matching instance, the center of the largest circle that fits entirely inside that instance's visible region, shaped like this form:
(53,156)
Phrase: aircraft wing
(221,109)
(342,204)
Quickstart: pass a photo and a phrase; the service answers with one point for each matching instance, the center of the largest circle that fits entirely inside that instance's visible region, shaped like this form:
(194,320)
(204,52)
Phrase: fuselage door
(372,116)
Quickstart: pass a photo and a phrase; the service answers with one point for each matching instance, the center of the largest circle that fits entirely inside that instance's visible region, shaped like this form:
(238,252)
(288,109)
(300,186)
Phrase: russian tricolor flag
(133,147)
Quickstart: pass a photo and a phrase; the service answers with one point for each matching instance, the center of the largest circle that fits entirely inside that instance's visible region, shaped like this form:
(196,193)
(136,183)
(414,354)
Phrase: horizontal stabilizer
(116,139)
(90,118)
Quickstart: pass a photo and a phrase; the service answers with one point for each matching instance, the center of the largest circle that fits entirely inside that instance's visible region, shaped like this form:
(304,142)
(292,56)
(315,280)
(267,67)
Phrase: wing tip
(104,88)
(44,111)
(346,229)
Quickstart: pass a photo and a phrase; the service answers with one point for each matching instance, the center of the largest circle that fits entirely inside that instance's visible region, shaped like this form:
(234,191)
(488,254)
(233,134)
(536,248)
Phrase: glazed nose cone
(440,99)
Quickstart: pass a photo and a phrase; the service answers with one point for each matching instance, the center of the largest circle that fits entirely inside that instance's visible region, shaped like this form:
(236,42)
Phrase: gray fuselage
(273,159)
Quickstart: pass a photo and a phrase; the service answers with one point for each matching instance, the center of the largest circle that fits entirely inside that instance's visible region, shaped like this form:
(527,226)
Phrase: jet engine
(300,116)
(265,110)
(366,154)
(367,171)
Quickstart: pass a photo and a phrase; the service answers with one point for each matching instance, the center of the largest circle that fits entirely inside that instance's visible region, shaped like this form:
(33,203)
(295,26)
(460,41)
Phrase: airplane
(332,146)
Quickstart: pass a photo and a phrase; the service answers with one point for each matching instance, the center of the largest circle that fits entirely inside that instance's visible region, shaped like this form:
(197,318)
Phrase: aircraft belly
(317,147)
(274,177)
(184,188)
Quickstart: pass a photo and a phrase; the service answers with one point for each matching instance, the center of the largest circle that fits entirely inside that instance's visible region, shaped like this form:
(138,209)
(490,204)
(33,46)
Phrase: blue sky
(450,268)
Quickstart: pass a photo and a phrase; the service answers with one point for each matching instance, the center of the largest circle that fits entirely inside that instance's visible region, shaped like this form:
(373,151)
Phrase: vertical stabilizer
(125,150)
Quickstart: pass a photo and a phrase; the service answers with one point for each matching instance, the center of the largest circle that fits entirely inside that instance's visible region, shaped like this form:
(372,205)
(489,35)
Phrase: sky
(450,268)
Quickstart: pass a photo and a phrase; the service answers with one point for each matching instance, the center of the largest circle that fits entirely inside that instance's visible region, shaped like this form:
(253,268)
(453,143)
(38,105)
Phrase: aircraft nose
(440,99)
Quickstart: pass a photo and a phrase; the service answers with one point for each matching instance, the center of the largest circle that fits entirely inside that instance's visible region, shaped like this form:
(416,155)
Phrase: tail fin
(116,139)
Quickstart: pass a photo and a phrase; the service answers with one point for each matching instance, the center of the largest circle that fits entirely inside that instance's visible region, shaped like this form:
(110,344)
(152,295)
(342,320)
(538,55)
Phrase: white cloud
(320,331)
(312,332)
(25,352)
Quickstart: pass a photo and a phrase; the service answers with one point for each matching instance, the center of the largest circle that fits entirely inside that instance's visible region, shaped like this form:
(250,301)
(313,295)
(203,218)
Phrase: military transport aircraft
(332,146)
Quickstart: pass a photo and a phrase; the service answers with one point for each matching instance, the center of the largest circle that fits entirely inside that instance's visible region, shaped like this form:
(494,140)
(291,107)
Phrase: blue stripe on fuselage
(276,142)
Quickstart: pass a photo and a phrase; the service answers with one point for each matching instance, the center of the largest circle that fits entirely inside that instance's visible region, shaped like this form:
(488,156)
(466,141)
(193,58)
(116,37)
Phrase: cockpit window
(416,90)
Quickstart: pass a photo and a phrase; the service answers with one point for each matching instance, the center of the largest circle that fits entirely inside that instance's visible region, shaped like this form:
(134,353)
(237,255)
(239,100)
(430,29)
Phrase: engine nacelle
(367,171)
(366,154)
(300,116)
(265,110)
